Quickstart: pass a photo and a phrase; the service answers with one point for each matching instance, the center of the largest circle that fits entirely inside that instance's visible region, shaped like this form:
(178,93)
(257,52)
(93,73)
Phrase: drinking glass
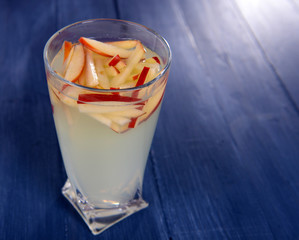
(105,160)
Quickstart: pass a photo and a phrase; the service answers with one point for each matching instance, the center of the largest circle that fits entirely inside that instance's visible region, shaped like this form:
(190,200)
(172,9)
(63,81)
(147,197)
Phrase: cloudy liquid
(105,166)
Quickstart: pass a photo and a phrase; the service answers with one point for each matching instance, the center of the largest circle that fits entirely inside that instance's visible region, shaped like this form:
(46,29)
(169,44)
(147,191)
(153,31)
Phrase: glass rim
(160,75)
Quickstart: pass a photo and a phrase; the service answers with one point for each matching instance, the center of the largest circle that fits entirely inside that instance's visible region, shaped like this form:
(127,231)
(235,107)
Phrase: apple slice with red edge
(126,44)
(76,64)
(104,49)
(129,113)
(142,76)
(82,77)
(128,84)
(101,118)
(94,97)
(141,80)
(91,79)
(136,56)
(67,49)
(111,71)
(134,119)
(62,58)
(53,95)
(120,120)
(114,60)
(152,105)
(156,59)
(115,93)
(102,76)
(120,66)
(92,108)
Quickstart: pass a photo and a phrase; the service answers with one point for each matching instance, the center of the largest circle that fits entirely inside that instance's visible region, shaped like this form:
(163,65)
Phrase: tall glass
(105,161)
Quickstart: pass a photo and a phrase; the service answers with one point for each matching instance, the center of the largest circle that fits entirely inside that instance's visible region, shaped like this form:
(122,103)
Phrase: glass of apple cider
(106,81)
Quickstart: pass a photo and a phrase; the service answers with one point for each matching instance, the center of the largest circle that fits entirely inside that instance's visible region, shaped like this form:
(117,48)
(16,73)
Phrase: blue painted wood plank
(69,12)
(233,131)
(275,28)
(30,170)
(224,159)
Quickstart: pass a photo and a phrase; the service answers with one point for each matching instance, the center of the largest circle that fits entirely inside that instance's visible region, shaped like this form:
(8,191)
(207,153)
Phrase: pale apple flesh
(91,79)
(62,58)
(126,44)
(76,64)
(104,48)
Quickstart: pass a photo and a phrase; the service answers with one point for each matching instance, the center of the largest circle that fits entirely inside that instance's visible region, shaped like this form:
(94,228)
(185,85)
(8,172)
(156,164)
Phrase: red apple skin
(142,76)
(76,64)
(115,93)
(132,124)
(86,44)
(126,44)
(67,49)
(104,49)
(116,70)
(157,60)
(135,77)
(158,104)
(135,94)
(64,87)
(55,94)
(114,60)
(104,97)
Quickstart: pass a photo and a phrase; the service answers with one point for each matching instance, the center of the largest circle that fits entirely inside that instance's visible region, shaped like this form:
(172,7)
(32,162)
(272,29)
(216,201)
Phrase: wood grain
(224,161)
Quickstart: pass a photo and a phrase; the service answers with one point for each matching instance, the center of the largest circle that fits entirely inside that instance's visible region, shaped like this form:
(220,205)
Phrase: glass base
(99,219)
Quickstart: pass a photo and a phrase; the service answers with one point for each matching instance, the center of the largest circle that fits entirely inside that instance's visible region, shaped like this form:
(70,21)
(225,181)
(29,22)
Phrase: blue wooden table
(224,163)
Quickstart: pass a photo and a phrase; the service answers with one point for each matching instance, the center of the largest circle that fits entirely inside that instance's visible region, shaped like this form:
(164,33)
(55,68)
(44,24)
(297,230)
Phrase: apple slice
(76,64)
(136,56)
(67,49)
(102,76)
(54,95)
(120,120)
(152,105)
(69,96)
(82,78)
(91,97)
(135,77)
(142,76)
(68,114)
(90,70)
(92,108)
(101,118)
(128,84)
(156,59)
(120,66)
(152,65)
(118,128)
(111,71)
(114,60)
(128,113)
(126,44)
(62,58)
(104,48)
(133,122)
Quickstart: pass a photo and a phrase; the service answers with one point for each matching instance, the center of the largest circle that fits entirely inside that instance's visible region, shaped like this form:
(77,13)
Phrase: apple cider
(106,81)
(105,137)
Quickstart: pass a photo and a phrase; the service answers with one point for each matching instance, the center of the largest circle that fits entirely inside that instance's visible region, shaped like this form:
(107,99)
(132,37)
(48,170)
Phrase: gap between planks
(156,181)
